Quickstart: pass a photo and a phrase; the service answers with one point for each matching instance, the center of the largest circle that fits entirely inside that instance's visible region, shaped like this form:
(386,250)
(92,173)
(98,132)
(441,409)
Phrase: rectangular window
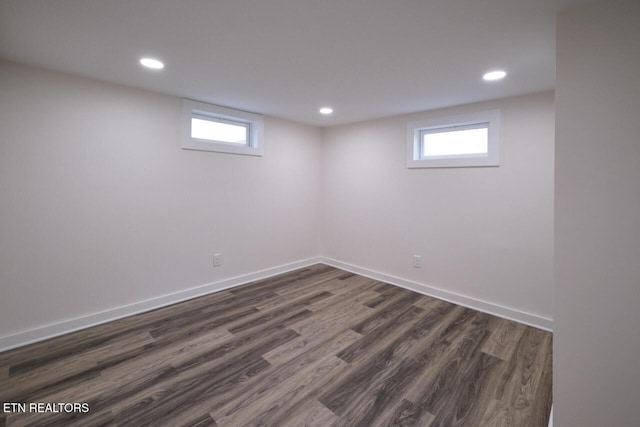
(213,128)
(219,130)
(455,141)
(459,141)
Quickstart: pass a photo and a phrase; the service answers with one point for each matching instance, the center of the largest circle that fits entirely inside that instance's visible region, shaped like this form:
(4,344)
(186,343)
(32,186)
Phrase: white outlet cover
(217,260)
(417,261)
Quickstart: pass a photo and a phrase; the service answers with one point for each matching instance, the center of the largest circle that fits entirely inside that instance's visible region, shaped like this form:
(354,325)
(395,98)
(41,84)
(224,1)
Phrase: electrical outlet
(417,261)
(217,260)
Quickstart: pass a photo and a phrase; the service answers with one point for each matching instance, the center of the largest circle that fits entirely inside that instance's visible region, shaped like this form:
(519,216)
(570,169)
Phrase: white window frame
(254,123)
(416,130)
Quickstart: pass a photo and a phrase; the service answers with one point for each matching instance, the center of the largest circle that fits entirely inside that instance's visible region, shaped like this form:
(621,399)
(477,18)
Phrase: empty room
(320,213)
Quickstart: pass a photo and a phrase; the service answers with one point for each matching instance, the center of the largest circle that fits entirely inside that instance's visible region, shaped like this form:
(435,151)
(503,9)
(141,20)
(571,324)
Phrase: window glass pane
(455,142)
(218,131)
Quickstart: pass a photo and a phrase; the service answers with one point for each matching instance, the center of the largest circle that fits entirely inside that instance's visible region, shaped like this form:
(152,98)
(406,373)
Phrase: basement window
(470,140)
(208,127)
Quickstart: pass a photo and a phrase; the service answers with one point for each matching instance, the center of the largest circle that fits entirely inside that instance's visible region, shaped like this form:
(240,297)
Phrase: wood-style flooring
(314,347)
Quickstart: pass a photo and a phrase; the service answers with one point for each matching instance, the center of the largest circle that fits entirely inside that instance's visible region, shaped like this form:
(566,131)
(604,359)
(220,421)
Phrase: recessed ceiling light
(494,75)
(326,110)
(154,64)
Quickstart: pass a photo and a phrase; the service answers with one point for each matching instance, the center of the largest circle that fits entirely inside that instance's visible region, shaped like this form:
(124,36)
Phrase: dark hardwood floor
(314,347)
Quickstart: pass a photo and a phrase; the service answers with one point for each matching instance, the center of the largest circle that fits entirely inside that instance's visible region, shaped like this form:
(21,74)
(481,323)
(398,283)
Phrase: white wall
(485,233)
(597,315)
(101,208)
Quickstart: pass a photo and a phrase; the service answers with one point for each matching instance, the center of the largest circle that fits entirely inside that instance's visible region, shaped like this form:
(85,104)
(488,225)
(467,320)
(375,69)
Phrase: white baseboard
(470,302)
(551,417)
(66,326)
(75,324)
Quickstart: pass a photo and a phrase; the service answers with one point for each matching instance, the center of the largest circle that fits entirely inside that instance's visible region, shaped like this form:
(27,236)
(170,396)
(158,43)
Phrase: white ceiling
(287,58)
